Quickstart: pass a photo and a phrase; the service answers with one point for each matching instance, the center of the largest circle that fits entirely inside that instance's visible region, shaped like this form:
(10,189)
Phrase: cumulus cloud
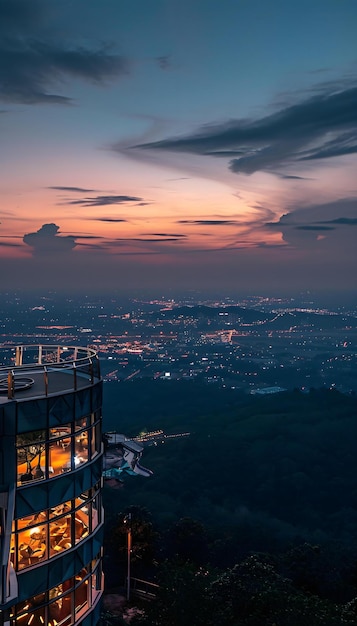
(321,126)
(308,225)
(31,63)
(48,241)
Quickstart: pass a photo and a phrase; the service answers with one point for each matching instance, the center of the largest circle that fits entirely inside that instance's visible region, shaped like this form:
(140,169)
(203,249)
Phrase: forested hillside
(272,476)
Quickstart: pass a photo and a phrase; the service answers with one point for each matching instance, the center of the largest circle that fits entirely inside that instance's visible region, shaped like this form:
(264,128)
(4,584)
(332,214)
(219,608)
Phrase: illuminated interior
(48,533)
(64,604)
(44,454)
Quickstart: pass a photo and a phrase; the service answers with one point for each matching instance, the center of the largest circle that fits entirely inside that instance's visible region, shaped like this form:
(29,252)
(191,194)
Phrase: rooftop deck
(38,371)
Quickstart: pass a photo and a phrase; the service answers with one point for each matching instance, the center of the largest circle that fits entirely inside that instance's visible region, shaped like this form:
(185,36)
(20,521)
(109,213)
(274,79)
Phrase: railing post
(10,385)
(91,371)
(74,377)
(58,354)
(45,376)
(40,355)
(19,353)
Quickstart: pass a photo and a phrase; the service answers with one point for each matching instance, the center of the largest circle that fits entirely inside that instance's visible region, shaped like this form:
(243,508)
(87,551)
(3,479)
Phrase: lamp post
(127,521)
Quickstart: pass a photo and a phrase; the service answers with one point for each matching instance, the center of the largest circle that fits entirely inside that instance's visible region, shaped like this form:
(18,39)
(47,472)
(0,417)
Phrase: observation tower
(51,519)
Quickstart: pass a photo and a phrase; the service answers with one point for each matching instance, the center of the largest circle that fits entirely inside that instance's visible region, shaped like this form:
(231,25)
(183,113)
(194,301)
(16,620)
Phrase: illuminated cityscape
(248,344)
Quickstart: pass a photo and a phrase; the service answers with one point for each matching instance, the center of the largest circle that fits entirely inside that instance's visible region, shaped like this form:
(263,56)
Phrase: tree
(144,537)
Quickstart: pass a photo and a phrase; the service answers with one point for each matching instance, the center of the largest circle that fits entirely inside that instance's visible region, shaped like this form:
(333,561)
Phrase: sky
(178,145)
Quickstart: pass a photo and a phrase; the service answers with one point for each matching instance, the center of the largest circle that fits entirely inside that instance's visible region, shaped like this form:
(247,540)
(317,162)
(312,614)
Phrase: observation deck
(44,370)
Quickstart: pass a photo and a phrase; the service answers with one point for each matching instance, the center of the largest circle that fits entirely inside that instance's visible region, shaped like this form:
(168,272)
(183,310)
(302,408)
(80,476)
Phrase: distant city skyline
(178,145)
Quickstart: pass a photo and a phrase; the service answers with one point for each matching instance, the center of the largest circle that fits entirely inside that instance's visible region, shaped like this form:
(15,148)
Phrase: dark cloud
(19,14)
(164,62)
(31,63)
(207,222)
(320,126)
(47,241)
(306,226)
(7,244)
(166,235)
(312,227)
(349,221)
(340,146)
(290,177)
(109,219)
(104,200)
(170,180)
(72,189)
(149,240)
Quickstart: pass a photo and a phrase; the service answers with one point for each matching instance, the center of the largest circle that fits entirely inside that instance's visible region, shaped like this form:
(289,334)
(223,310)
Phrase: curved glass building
(51,519)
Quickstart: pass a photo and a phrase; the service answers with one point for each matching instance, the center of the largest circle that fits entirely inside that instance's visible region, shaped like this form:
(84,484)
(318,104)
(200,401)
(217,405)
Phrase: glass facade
(64,604)
(50,489)
(49,532)
(46,453)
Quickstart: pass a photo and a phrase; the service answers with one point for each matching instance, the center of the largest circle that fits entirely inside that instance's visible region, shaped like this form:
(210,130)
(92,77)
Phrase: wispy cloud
(72,189)
(108,219)
(31,64)
(166,235)
(321,126)
(164,62)
(345,221)
(150,240)
(104,200)
(8,244)
(208,222)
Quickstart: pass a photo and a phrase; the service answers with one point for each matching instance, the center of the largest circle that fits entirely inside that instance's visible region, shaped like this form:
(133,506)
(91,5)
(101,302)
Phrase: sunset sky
(178,144)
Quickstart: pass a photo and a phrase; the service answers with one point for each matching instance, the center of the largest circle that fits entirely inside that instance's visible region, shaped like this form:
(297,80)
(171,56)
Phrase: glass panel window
(63,604)
(59,510)
(81,598)
(12,546)
(96,510)
(66,610)
(81,423)
(81,448)
(30,456)
(54,609)
(60,535)
(48,533)
(60,432)
(59,456)
(31,546)
(96,439)
(81,522)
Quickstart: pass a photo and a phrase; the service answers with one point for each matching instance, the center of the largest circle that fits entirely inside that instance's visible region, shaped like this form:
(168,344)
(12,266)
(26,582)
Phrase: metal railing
(26,361)
(142,588)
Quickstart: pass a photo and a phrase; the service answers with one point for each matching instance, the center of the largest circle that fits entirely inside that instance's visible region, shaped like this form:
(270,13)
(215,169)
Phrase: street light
(127,521)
